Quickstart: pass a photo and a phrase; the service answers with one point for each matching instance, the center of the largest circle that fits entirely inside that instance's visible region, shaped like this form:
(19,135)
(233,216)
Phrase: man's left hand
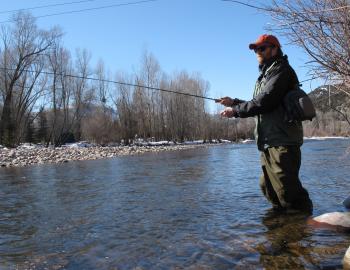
(228,112)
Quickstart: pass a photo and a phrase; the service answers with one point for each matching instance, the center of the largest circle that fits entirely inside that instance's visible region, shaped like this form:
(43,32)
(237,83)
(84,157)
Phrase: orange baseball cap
(263,39)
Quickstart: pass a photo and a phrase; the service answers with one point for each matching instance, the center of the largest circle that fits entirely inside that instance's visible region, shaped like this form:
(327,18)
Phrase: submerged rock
(346,260)
(335,220)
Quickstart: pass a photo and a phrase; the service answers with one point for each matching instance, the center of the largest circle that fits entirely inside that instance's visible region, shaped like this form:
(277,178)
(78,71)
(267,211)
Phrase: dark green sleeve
(270,97)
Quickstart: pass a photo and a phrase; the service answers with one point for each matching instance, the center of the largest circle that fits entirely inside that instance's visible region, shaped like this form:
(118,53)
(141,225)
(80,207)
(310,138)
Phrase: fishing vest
(271,129)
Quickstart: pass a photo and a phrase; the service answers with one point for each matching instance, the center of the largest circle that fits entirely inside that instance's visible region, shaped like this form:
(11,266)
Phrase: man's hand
(228,112)
(228,102)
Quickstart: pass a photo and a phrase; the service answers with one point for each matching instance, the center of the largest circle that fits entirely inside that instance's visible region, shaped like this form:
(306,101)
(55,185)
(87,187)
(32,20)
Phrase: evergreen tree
(42,126)
(30,130)
(7,127)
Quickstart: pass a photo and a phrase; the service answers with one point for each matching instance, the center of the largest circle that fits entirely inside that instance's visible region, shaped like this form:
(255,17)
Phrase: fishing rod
(116,82)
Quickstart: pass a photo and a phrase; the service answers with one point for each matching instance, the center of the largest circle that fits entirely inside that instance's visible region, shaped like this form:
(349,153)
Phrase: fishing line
(115,82)
(183,92)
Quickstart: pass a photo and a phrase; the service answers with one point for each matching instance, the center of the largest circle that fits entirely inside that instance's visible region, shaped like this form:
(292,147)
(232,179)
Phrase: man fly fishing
(278,140)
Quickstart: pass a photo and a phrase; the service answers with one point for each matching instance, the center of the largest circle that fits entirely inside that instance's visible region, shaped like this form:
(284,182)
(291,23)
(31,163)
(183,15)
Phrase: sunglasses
(262,48)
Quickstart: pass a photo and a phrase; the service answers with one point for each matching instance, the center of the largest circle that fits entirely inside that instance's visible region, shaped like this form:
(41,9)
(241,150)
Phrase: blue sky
(206,36)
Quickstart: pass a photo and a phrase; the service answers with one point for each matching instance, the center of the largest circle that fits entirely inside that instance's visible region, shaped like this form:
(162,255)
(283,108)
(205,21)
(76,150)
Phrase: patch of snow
(152,143)
(159,143)
(325,138)
(194,142)
(220,141)
(248,141)
(82,144)
(28,146)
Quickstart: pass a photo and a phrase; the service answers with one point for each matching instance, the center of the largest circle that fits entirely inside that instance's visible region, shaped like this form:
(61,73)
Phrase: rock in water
(346,260)
(346,202)
(334,219)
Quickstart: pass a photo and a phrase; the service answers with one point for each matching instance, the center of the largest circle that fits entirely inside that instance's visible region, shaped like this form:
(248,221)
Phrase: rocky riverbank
(28,155)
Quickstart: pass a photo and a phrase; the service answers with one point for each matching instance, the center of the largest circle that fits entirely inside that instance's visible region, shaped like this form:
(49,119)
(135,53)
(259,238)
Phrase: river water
(190,209)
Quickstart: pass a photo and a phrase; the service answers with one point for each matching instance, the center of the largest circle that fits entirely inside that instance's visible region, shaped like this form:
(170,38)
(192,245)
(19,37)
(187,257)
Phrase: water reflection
(196,209)
(16,210)
(284,237)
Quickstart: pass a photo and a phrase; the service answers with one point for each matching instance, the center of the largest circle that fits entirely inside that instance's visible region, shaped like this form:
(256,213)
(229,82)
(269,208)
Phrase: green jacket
(276,78)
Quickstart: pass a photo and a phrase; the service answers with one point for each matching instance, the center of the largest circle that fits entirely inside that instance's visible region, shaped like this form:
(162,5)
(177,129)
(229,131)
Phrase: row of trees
(332,110)
(47,96)
(328,123)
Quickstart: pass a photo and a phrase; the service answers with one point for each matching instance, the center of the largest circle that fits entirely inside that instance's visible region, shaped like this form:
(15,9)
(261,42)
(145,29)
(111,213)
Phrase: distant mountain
(326,96)
(332,112)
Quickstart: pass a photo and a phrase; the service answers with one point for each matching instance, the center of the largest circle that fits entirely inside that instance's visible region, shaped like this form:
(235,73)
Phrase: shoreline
(26,156)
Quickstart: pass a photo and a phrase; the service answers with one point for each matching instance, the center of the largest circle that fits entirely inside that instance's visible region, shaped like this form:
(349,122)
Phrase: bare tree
(23,48)
(61,121)
(99,127)
(145,99)
(186,115)
(322,29)
(102,85)
(122,100)
(82,93)
(98,124)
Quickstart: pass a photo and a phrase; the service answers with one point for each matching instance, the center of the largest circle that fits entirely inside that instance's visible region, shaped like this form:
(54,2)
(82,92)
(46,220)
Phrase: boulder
(338,219)
(12,154)
(346,260)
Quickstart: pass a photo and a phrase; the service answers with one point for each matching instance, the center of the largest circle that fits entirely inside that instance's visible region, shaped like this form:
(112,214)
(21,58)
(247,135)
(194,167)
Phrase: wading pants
(280,182)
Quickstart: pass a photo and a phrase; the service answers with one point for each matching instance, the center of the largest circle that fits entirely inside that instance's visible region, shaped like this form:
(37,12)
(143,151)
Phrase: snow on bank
(27,154)
(169,143)
(325,138)
(248,141)
(194,142)
(82,144)
(160,143)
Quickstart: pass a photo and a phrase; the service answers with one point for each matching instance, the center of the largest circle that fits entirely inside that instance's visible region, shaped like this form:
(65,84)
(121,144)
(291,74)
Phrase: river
(190,209)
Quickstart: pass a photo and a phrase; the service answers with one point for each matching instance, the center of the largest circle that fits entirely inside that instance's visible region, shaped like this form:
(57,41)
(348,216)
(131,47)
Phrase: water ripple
(193,209)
